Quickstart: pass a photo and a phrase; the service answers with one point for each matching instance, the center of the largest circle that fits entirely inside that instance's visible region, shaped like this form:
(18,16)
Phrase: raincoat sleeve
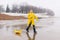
(36,17)
(29,16)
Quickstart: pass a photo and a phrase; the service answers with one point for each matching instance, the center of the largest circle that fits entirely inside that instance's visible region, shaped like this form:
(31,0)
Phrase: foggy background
(49,4)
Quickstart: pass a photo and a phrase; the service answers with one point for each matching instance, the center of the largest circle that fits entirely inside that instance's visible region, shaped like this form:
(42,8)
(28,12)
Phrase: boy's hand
(36,19)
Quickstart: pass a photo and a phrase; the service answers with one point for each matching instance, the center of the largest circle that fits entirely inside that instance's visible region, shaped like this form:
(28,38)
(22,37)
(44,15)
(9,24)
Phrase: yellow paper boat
(18,32)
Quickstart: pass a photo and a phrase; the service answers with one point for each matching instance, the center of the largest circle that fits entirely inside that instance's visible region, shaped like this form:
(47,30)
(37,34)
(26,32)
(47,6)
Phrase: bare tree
(50,12)
(15,9)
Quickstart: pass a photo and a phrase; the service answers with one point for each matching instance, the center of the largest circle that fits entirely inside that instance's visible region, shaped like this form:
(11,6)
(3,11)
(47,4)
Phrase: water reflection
(7,28)
(29,38)
(44,22)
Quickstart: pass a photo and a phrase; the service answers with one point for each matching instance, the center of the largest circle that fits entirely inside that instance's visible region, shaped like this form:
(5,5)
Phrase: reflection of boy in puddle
(29,38)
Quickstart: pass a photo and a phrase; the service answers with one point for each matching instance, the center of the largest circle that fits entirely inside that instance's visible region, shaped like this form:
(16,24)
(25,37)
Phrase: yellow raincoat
(31,17)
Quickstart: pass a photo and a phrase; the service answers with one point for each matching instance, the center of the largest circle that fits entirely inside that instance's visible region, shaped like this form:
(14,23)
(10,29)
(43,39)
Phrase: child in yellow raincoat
(31,17)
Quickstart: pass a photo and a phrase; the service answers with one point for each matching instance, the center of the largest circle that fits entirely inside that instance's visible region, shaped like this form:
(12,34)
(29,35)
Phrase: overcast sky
(50,4)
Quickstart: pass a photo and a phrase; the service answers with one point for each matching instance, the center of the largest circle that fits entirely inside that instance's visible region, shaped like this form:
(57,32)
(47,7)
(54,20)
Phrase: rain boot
(27,29)
(34,29)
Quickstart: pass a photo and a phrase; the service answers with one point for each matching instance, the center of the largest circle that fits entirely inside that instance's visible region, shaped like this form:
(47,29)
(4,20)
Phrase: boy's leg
(34,29)
(27,29)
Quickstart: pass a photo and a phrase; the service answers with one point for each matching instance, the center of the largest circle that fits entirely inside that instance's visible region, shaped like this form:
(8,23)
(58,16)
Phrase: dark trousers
(30,26)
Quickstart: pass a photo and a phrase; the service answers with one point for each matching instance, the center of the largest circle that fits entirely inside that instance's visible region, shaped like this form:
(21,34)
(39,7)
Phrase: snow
(21,14)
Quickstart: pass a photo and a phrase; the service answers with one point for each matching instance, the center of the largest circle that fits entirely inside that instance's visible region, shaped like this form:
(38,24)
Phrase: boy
(31,17)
